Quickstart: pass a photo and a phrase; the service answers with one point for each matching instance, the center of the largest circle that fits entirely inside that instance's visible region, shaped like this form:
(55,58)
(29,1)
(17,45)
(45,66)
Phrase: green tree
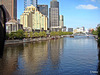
(40,34)
(31,34)
(95,32)
(52,33)
(26,35)
(20,34)
(36,34)
(44,34)
(60,33)
(7,36)
(98,30)
(12,35)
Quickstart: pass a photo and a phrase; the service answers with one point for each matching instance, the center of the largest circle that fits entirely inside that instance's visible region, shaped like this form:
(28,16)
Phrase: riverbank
(28,40)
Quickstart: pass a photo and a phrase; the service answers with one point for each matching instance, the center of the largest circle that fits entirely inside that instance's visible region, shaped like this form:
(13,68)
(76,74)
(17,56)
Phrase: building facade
(11,8)
(29,3)
(61,23)
(54,15)
(70,29)
(32,18)
(80,30)
(43,9)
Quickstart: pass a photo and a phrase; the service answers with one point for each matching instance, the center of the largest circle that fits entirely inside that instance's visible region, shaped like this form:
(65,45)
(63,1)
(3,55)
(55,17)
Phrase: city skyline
(76,13)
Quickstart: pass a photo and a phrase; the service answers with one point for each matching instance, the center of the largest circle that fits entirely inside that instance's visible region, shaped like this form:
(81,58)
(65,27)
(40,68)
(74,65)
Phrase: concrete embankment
(28,40)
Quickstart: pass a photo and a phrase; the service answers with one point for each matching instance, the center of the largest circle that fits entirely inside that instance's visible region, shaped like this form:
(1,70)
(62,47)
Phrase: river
(65,56)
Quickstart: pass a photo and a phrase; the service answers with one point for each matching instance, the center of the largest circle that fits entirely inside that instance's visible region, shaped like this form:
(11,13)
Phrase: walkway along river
(65,56)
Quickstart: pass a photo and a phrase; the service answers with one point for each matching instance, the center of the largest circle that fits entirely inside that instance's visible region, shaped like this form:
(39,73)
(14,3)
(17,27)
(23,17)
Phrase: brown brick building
(11,7)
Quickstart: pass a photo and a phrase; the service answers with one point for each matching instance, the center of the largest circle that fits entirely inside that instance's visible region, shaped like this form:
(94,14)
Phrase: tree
(31,34)
(26,35)
(7,36)
(20,34)
(44,34)
(60,33)
(52,33)
(12,35)
(98,30)
(40,34)
(36,34)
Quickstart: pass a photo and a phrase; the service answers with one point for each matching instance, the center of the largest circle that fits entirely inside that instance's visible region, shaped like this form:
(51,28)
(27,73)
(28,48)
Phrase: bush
(7,36)
(12,35)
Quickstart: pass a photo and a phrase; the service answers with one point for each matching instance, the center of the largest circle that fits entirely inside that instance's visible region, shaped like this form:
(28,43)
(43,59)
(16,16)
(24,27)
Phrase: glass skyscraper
(43,9)
(29,3)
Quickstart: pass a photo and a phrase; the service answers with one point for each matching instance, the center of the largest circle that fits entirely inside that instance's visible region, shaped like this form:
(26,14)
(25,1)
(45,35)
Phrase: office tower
(29,3)
(43,9)
(32,19)
(54,15)
(61,21)
(11,8)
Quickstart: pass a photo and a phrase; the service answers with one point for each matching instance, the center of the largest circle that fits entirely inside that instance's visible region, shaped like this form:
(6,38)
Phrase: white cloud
(89,6)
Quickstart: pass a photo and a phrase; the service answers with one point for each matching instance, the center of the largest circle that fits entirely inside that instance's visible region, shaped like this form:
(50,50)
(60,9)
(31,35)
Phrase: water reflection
(8,63)
(56,48)
(31,58)
(66,56)
(99,61)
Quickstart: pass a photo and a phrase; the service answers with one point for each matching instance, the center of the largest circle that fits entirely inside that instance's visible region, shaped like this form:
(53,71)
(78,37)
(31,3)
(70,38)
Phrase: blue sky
(77,13)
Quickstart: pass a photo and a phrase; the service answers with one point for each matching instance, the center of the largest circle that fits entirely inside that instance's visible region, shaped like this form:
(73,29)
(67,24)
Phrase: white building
(78,30)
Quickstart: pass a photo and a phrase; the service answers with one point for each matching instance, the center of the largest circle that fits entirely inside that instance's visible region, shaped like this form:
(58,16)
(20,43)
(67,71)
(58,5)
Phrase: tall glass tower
(29,3)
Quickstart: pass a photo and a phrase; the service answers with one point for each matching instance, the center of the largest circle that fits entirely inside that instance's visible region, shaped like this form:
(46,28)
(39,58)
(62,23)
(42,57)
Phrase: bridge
(82,34)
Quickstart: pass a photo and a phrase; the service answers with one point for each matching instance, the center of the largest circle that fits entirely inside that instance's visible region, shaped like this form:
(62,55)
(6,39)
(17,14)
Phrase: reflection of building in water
(9,61)
(32,58)
(61,45)
(35,54)
(55,49)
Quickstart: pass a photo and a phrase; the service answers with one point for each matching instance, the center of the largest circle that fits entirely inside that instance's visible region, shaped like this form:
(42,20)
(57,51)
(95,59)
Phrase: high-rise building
(61,21)
(43,9)
(29,3)
(54,15)
(11,8)
(34,20)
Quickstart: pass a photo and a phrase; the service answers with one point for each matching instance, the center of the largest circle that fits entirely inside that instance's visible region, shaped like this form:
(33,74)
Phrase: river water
(65,56)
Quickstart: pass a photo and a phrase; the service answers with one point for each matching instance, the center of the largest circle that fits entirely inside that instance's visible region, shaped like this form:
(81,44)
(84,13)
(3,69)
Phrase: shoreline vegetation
(97,32)
(25,37)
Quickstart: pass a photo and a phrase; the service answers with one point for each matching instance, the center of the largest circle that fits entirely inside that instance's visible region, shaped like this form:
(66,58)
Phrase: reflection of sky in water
(68,56)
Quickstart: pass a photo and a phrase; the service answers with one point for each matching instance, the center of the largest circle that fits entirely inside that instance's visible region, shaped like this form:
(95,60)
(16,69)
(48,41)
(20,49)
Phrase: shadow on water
(99,59)
(9,60)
